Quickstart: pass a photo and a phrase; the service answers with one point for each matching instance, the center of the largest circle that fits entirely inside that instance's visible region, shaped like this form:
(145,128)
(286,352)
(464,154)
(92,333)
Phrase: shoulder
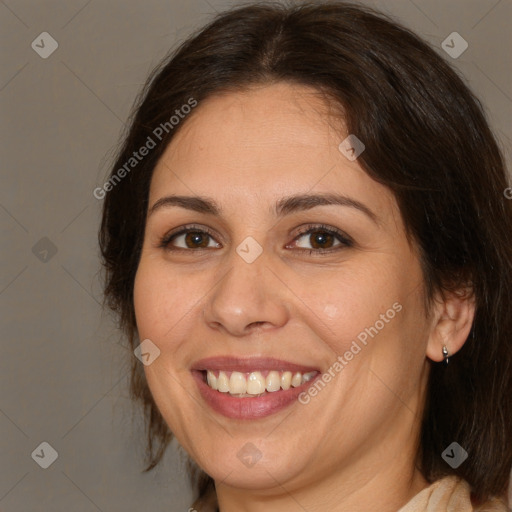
(449,494)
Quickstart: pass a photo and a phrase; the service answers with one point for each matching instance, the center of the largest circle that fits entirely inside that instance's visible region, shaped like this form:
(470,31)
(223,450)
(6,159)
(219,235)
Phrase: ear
(452,319)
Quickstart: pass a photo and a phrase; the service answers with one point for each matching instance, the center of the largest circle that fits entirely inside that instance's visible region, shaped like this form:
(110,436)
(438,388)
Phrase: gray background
(63,370)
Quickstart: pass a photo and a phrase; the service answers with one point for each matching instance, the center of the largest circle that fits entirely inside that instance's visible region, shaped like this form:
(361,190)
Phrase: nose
(247,298)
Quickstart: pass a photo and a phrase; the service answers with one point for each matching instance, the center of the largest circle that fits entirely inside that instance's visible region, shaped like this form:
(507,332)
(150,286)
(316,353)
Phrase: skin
(354,444)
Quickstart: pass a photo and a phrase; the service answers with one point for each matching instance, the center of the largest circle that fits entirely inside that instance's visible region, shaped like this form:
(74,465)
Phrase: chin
(244,466)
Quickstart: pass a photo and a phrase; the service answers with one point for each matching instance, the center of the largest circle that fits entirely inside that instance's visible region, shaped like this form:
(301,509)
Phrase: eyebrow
(284,206)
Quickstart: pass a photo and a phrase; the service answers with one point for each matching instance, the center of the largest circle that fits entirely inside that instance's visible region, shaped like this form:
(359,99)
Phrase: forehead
(264,142)
(255,121)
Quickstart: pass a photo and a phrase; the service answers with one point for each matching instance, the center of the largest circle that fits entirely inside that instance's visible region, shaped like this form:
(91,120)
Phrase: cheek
(159,301)
(340,305)
(370,315)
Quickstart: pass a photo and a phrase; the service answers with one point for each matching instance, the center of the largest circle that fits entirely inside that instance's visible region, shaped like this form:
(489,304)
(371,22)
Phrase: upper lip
(246,364)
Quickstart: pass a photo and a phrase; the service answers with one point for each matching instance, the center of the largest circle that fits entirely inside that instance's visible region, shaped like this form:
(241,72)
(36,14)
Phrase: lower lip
(248,408)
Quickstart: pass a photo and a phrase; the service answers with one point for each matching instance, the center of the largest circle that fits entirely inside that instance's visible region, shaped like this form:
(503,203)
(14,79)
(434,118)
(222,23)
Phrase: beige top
(450,494)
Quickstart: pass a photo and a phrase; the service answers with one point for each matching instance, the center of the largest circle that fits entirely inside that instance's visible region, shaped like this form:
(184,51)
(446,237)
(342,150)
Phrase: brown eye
(321,240)
(189,239)
(195,239)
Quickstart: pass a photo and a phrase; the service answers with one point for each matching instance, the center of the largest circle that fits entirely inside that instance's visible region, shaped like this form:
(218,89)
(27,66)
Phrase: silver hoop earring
(445,355)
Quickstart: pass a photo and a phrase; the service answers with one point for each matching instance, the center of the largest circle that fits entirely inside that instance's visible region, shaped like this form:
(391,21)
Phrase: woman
(307,234)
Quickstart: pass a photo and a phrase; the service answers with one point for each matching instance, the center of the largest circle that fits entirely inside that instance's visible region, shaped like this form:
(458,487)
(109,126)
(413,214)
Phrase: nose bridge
(248,294)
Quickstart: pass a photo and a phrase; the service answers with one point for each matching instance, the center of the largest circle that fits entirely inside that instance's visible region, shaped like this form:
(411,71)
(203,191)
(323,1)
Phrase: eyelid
(343,238)
(166,239)
(311,228)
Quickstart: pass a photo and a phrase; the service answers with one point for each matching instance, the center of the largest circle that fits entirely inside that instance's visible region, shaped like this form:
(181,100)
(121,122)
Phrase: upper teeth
(254,383)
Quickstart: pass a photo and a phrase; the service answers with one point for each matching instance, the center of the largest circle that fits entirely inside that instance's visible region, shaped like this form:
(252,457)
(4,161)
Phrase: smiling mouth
(255,383)
(251,388)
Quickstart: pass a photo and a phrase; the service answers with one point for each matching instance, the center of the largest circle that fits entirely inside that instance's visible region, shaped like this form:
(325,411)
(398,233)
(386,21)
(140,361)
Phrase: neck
(324,497)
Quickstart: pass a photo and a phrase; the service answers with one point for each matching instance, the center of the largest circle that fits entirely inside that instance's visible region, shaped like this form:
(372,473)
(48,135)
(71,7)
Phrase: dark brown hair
(426,139)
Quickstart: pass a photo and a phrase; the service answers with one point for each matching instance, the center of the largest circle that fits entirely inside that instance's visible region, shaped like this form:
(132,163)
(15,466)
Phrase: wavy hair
(427,139)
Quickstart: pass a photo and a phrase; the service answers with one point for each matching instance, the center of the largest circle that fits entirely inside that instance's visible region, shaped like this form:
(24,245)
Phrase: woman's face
(249,294)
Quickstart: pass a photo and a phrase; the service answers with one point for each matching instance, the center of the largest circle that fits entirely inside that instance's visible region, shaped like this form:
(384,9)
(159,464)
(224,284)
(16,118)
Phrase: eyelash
(345,241)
